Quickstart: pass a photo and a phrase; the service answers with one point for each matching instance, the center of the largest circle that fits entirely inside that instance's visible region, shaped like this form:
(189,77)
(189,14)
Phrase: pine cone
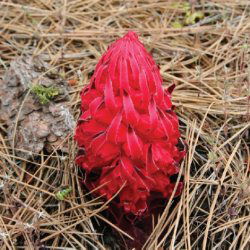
(38,125)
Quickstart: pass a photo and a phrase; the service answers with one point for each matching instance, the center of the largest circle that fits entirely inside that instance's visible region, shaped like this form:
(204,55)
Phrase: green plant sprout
(63,193)
(185,6)
(190,17)
(44,94)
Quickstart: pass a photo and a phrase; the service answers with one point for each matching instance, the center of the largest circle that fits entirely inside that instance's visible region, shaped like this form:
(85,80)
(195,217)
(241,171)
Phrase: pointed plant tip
(131,35)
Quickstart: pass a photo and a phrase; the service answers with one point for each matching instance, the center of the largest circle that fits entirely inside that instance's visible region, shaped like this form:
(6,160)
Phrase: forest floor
(201,46)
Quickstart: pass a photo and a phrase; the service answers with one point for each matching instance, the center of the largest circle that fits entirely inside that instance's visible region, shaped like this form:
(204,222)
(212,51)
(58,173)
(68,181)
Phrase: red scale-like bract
(128,129)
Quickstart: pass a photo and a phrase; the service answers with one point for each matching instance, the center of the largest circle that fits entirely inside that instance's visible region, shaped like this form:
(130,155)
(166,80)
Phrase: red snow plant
(128,130)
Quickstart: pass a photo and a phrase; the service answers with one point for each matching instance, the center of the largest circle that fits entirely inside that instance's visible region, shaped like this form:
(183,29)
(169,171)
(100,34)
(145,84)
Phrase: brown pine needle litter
(201,46)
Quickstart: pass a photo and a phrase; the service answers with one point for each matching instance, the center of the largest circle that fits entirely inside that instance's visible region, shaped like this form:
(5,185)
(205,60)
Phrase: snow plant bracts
(128,132)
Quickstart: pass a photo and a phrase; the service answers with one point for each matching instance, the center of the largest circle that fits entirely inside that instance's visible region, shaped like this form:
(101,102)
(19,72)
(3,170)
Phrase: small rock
(42,130)
(51,138)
